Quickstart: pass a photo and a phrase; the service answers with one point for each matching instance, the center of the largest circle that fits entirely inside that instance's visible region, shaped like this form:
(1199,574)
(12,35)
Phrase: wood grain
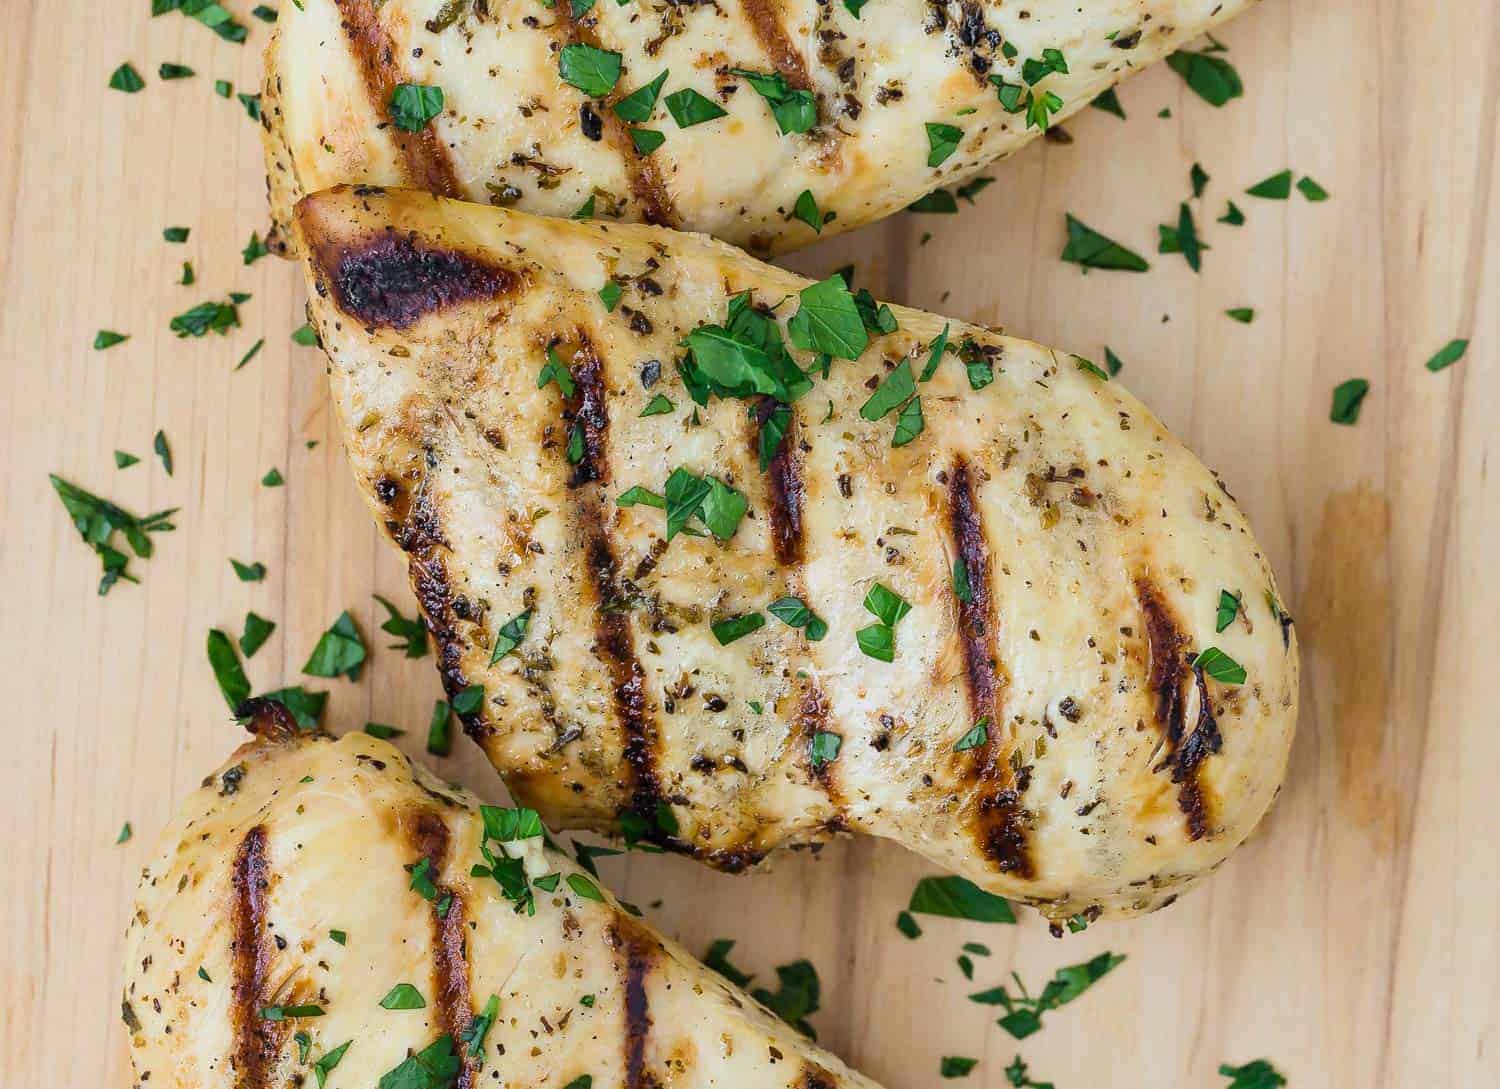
(1355,940)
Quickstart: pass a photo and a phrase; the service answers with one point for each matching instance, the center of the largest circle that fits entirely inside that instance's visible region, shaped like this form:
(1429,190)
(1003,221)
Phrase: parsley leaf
(1109,102)
(257,630)
(412,633)
(1024,1013)
(160,447)
(108,338)
(795,110)
(806,209)
(554,370)
(413,105)
(647,140)
(638,106)
(939,201)
(339,651)
(403,996)
(233,683)
(796,996)
(723,508)
(1089,248)
(956,1066)
(907,925)
(1447,355)
(794,613)
(1229,608)
(1347,397)
(1259,1074)
(685,493)
(434,1067)
(469,700)
(124,460)
(248,572)
(1233,216)
(324,1066)
(717,958)
(828,321)
(659,405)
(127,79)
(207,317)
(609,295)
(736,627)
(824,748)
(510,635)
(909,424)
(1242,314)
(942,141)
(1311,189)
(176,234)
(689,108)
(1220,666)
(935,354)
(959,898)
(1276,187)
(97,520)
(976,736)
(891,393)
(887,605)
(1213,78)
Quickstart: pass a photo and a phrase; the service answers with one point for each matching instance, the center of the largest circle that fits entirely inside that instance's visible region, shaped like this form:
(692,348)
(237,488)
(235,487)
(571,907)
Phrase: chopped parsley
(1220,666)
(878,641)
(794,612)
(248,572)
(806,209)
(1019,1076)
(208,317)
(659,405)
(509,637)
(161,449)
(1277,187)
(383,732)
(824,748)
(977,735)
(1112,362)
(108,338)
(412,633)
(479,1027)
(1259,1074)
(127,79)
(1233,216)
(956,897)
(584,888)
(434,1067)
(469,700)
(124,460)
(97,520)
(892,392)
(287,1013)
(737,627)
(795,110)
(1242,314)
(935,354)
(324,1066)
(938,201)
(413,105)
(167,70)
(609,295)
(305,335)
(1023,1013)
(957,1066)
(252,106)
(1212,78)
(339,652)
(1447,355)
(1347,397)
(124,837)
(908,925)
(647,140)
(1311,189)
(176,234)
(1089,248)
(254,348)
(1229,608)
(1109,102)
(403,996)
(942,141)
(909,424)
(638,106)
(689,108)
(828,320)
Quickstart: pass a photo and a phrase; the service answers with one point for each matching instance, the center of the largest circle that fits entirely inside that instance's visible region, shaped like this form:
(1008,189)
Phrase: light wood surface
(1355,940)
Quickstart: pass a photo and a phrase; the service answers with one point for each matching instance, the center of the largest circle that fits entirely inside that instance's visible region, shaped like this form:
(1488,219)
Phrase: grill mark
(428,164)
(1166,670)
(646,181)
(999,822)
(1204,741)
(784,479)
(638,952)
(257,1042)
(391,279)
(765,17)
(450,966)
(614,639)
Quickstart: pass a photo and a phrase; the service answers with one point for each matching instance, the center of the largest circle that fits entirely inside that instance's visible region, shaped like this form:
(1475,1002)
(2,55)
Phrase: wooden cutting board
(1355,941)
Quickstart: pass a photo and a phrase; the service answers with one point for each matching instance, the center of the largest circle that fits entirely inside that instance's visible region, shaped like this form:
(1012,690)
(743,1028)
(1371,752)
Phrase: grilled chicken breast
(982,622)
(555,108)
(312,915)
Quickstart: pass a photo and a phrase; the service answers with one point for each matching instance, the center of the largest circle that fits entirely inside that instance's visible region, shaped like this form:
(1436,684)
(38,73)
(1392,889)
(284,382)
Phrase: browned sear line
(428,165)
(450,964)
(765,18)
(1167,674)
(646,181)
(784,483)
(999,821)
(256,1040)
(637,952)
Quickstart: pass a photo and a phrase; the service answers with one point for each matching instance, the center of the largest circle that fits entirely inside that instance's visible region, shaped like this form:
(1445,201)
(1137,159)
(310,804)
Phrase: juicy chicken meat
(308,879)
(1039,721)
(860,112)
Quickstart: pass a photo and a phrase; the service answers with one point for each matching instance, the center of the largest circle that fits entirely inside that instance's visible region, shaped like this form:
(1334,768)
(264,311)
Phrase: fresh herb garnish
(1447,355)
(828,320)
(480,1026)
(1109,102)
(287,1013)
(176,234)
(1259,1074)
(1347,397)
(1311,189)
(324,1066)
(339,652)
(689,108)
(469,700)
(108,338)
(794,612)
(167,70)
(892,392)
(305,335)
(584,888)
(1089,248)
(306,707)
(1213,78)
(909,424)
(434,1067)
(207,317)
(638,106)
(403,996)
(935,354)
(1220,666)
(554,370)
(959,898)
(1277,187)
(413,105)
(383,732)
(824,748)
(592,70)
(659,405)
(509,637)
(124,837)
(609,295)
(1019,1076)
(1229,608)
(975,736)
(938,201)
(127,79)
(942,141)
(796,997)
(257,630)
(878,641)
(124,460)
(248,572)
(1233,216)
(1242,314)
(806,209)
(412,633)
(163,450)
(957,1066)
(736,627)
(252,106)
(908,925)
(1023,1014)
(647,140)
(795,110)
(97,520)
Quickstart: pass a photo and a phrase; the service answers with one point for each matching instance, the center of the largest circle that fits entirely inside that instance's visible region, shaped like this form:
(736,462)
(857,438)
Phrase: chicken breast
(745,119)
(313,915)
(730,561)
